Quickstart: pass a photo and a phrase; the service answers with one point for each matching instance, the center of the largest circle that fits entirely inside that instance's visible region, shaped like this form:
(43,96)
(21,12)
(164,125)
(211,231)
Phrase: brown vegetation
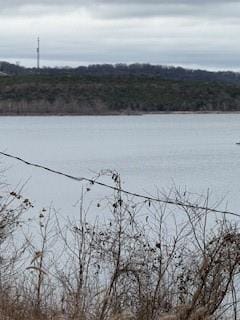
(146,261)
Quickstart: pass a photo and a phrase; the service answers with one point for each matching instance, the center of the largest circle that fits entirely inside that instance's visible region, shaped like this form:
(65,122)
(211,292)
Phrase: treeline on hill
(39,94)
(121,69)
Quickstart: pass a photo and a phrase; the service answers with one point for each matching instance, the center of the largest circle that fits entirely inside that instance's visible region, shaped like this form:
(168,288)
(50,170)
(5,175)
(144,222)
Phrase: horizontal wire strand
(138,195)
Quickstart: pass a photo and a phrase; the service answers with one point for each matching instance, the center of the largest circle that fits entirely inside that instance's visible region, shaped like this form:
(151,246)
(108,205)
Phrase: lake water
(196,152)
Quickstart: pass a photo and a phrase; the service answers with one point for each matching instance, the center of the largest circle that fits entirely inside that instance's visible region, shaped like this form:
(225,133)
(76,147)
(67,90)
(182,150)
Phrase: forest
(121,69)
(107,94)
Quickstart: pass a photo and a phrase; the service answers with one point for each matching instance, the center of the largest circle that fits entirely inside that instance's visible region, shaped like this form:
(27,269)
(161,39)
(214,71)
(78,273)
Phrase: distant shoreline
(115,114)
(110,96)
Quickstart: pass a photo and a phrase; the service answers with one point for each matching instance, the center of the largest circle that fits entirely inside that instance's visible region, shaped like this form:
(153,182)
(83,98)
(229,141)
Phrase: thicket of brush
(144,261)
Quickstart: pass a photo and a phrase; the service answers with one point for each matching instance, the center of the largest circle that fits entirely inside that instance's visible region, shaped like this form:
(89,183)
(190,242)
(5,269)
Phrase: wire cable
(138,195)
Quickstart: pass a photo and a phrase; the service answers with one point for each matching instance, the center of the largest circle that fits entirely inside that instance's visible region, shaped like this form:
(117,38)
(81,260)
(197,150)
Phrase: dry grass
(142,263)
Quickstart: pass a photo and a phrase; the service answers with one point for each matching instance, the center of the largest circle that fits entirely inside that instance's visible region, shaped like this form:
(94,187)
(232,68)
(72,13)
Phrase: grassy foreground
(145,261)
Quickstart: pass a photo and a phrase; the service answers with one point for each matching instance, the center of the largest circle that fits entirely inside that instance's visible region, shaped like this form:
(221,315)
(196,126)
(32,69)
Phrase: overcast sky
(191,33)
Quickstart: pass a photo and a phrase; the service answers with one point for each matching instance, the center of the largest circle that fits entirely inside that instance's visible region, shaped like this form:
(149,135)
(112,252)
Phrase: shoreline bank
(14,114)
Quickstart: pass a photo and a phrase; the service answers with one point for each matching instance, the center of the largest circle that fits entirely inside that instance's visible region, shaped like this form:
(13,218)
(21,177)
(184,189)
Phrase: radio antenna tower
(38,53)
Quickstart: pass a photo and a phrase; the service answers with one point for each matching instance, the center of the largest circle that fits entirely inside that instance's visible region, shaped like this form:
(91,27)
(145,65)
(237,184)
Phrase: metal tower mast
(38,53)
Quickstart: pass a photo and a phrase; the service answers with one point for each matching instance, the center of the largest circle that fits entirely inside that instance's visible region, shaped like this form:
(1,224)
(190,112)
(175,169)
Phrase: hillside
(113,95)
(137,69)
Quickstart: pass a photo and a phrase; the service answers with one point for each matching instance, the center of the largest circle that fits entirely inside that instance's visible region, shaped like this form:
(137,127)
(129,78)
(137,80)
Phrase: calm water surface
(196,152)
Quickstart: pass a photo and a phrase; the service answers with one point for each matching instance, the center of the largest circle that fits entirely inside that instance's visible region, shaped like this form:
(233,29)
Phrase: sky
(190,33)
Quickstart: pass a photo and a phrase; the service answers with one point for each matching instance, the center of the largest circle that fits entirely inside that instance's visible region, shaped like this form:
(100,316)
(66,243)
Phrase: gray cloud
(117,8)
(186,32)
(15,3)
